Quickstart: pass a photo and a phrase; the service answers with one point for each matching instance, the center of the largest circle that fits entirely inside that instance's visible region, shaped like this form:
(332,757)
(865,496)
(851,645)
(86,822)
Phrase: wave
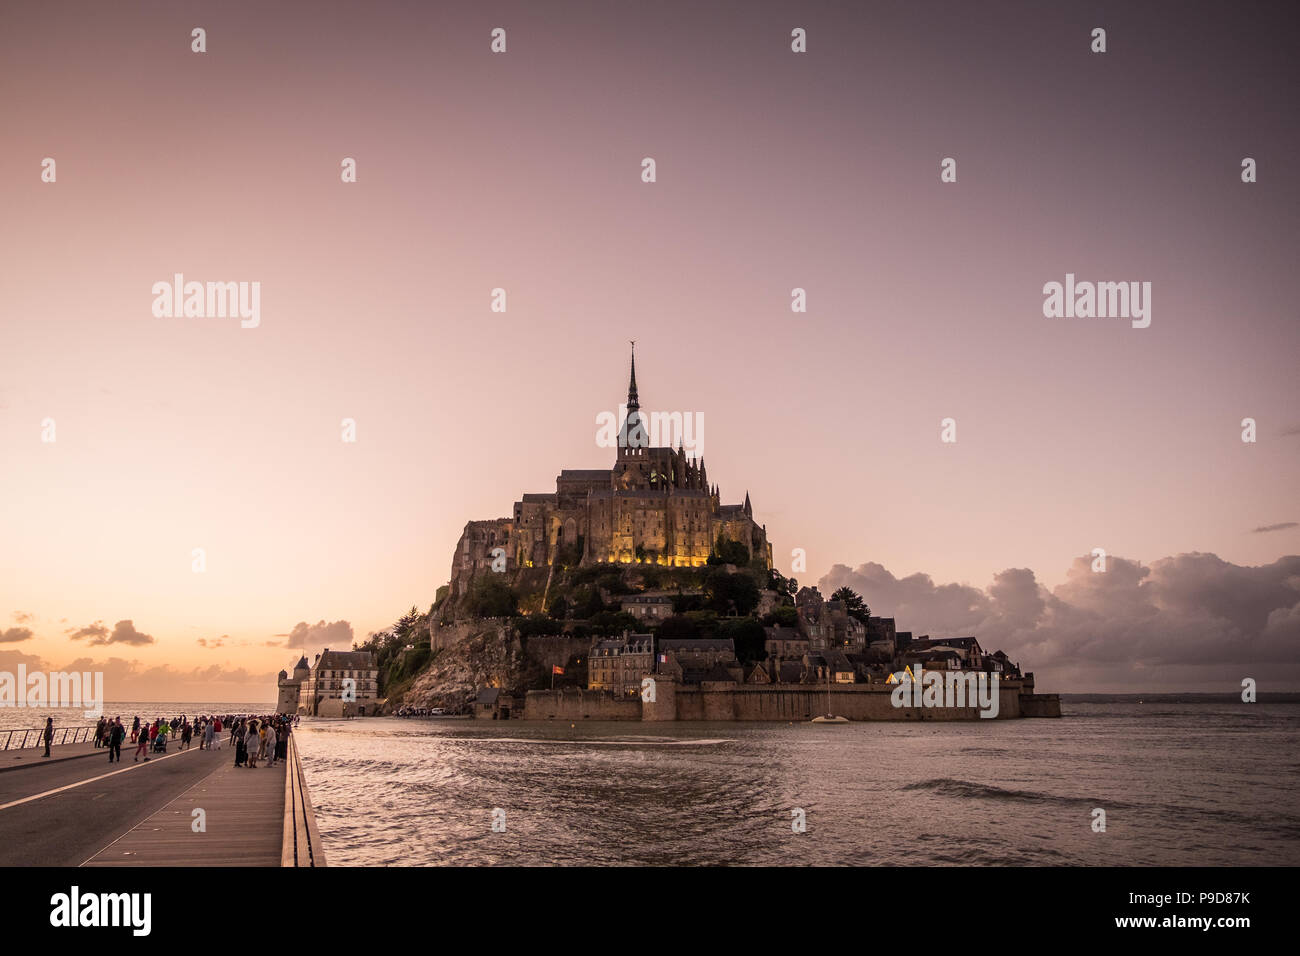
(967,789)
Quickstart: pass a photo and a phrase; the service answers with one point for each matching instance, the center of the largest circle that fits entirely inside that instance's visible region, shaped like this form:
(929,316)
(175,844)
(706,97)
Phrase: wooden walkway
(243,816)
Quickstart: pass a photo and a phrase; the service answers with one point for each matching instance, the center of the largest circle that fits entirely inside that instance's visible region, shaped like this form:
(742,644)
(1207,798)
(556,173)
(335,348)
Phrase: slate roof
(719,673)
(696,644)
(345,660)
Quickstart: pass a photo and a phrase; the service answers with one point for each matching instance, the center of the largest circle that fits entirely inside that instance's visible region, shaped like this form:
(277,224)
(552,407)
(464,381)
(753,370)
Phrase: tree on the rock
(853,603)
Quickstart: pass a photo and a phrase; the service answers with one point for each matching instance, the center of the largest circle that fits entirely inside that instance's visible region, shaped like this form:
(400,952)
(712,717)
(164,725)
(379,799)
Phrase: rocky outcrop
(476,655)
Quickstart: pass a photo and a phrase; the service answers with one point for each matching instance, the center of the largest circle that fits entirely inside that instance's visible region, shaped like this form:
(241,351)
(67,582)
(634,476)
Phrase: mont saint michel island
(634,593)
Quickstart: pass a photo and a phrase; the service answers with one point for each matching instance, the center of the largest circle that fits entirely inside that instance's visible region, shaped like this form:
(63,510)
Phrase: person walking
(135,728)
(141,745)
(116,734)
(49,735)
(269,743)
(186,733)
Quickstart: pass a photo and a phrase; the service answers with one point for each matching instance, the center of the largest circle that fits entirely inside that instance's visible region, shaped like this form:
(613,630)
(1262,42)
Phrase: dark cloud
(213,642)
(96,632)
(1275,527)
(1191,621)
(15,634)
(916,601)
(123,632)
(320,635)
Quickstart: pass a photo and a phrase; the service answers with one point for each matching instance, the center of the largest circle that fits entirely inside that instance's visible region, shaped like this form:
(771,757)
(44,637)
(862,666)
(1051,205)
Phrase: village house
(782,642)
(650,606)
(691,660)
(618,665)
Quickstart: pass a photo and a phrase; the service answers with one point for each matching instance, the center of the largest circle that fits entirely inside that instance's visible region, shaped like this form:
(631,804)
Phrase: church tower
(634,436)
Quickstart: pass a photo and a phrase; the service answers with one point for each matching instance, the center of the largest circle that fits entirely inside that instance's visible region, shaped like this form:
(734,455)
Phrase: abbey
(655,505)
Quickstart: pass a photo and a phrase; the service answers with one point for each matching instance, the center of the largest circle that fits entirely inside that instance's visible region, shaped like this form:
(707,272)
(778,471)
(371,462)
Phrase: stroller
(160,745)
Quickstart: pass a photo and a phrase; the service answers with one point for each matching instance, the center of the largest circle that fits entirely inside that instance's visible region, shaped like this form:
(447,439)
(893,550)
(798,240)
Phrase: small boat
(829,717)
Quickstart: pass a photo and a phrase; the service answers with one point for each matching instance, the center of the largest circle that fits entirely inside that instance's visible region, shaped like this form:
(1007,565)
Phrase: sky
(523,171)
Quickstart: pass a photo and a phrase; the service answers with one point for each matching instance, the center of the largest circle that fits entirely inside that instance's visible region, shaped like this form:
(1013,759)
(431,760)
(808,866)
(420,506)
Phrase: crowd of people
(252,738)
(261,738)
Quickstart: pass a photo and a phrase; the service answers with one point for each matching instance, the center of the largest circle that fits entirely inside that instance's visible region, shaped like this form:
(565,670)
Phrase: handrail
(301,845)
(36,738)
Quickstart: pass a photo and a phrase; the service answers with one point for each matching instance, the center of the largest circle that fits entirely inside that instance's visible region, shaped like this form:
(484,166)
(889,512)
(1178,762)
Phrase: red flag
(557,669)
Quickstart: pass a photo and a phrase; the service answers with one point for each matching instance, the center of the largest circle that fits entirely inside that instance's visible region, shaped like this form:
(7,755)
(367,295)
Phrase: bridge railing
(18,739)
(301,845)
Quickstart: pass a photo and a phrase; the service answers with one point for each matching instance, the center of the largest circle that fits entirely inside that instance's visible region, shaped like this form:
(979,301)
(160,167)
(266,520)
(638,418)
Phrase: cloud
(214,642)
(320,635)
(22,617)
(1275,527)
(123,632)
(9,661)
(15,634)
(1191,621)
(97,632)
(944,608)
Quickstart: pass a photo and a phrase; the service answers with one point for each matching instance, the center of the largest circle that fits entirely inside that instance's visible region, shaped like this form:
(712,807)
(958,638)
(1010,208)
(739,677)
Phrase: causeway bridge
(183,808)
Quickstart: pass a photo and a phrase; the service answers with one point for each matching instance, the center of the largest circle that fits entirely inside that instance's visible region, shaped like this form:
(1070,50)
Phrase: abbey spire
(634,434)
(632,403)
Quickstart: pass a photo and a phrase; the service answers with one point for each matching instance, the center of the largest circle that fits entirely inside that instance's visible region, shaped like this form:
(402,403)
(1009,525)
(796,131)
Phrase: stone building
(654,505)
(651,607)
(291,686)
(340,684)
(848,632)
(692,660)
(808,605)
(882,637)
(828,624)
(618,665)
(785,642)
